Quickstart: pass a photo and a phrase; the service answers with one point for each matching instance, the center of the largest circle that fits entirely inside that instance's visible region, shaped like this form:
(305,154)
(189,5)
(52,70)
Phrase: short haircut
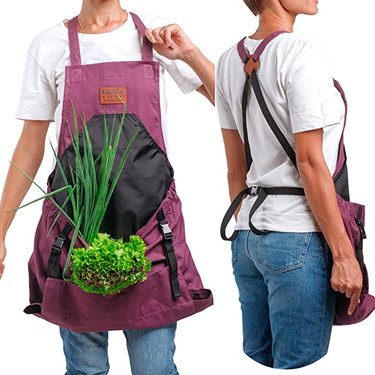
(256,6)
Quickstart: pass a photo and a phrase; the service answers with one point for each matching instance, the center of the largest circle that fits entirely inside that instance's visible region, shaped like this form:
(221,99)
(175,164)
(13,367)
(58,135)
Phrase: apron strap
(169,252)
(245,55)
(341,160)
(53,267)
(75,54)
(147,50)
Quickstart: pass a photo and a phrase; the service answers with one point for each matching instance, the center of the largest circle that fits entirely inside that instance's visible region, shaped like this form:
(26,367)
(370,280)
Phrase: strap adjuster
(58,244)
(167,231)
(255,190)
(251,65)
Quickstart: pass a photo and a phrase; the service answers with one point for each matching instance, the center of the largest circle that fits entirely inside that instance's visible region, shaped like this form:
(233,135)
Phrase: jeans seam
(326,265)
(247,250)
(235,249)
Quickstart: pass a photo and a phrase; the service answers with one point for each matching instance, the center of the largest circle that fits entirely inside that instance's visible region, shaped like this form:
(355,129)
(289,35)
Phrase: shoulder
(48,42)
(295,44)
(153,22)
(228,58)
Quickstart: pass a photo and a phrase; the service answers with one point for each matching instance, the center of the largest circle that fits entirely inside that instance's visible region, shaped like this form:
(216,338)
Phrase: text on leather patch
(112,95)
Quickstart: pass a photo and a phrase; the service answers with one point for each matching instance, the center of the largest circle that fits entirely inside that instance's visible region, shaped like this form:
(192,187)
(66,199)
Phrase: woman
(106,33)
(297,252)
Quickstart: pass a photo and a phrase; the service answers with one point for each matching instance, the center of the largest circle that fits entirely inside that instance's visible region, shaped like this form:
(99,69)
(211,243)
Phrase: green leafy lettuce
(109,265)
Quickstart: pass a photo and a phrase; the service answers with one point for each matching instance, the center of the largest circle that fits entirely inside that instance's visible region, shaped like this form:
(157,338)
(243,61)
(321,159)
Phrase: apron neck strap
(244,54)
(147,51)
(75,54)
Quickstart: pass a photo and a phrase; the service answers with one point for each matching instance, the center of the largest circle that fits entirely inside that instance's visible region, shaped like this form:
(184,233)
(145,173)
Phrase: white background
(209,342)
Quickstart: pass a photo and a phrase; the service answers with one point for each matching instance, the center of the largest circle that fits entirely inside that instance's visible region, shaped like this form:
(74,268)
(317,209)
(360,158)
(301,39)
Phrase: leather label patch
(112,95)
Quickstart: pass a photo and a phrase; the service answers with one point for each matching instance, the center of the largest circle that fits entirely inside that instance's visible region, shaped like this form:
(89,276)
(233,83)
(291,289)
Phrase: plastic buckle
(58,244)
(167,231)
(254,190)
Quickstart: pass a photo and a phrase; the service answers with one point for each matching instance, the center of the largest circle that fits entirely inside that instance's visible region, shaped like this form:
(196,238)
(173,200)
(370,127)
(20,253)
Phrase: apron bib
(144,202)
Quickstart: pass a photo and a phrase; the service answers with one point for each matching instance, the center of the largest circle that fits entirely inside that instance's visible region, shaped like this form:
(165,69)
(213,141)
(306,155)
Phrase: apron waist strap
(261,193)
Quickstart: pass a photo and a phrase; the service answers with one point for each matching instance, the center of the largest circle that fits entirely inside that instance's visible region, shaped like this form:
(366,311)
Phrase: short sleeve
(312,98)
(184,76)
(226,118)
(38,98)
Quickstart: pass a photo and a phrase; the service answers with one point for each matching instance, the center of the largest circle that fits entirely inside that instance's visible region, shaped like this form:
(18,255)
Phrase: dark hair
(256,6)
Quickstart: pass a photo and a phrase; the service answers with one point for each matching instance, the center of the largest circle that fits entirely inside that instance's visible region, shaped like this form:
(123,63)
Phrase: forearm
(204,69)
(321,196)
(236,183)
(27,156)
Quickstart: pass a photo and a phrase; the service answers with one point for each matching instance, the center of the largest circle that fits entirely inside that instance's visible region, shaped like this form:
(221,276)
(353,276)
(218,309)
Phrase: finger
(149,36)
(342,289)
(168,37)
(2,267)
(157,34)
(334,285)
(354,301)
(349,293)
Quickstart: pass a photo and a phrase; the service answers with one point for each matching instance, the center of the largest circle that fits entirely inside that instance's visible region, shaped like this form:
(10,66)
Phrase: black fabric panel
(143,184)
(342,183)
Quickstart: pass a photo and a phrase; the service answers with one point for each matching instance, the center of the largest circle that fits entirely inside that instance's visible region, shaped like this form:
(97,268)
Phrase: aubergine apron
(144,202)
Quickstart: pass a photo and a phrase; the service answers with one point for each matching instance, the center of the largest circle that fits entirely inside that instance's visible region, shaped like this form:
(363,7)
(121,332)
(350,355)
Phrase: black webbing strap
(261,193)
(53,267)
(270,120)
(245,100)
(169,253)
(229,214)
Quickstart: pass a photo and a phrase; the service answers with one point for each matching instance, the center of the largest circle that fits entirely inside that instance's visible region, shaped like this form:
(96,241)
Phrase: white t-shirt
(297,84)
(43,83)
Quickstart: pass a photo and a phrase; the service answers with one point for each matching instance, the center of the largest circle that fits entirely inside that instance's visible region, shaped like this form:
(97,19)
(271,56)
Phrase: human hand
(170,41)
(347,278)
(3,252)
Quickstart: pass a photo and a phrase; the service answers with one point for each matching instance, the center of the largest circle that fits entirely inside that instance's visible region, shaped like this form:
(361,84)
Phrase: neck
(99,14)
(272,20)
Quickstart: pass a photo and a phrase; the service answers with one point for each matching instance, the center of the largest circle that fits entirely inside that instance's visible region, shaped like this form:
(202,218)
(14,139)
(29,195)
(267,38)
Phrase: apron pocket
(144,305)
(143,183)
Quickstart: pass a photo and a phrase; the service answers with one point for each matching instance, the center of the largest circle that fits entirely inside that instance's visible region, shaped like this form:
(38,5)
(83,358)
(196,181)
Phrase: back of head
(256,6)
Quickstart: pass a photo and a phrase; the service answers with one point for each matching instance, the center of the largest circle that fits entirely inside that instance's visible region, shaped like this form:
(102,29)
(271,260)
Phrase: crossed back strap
(251,67)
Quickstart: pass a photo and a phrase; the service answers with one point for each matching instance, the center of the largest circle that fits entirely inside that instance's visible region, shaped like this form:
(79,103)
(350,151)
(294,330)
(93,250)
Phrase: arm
(28,156)
(171,42)
(321,196)
(236,162)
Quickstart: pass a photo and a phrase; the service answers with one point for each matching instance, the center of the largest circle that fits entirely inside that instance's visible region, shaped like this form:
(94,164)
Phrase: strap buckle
(255,190)
(58,244)
(167,231)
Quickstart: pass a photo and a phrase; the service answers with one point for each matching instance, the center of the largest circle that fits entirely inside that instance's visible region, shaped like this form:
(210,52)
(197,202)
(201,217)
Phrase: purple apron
(144,203)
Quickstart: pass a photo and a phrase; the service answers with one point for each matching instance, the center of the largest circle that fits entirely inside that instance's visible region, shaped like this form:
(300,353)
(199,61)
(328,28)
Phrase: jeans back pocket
(282,252)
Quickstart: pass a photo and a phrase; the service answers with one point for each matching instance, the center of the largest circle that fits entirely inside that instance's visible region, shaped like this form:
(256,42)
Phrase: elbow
(310,165)
(236,174)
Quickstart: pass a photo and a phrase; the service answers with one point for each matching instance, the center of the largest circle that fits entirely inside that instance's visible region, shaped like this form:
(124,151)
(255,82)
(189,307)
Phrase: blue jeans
(150,351)
(286,297)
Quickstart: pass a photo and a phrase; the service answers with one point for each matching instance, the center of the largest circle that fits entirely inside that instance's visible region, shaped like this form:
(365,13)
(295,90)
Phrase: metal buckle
(254,190)
(167,231)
